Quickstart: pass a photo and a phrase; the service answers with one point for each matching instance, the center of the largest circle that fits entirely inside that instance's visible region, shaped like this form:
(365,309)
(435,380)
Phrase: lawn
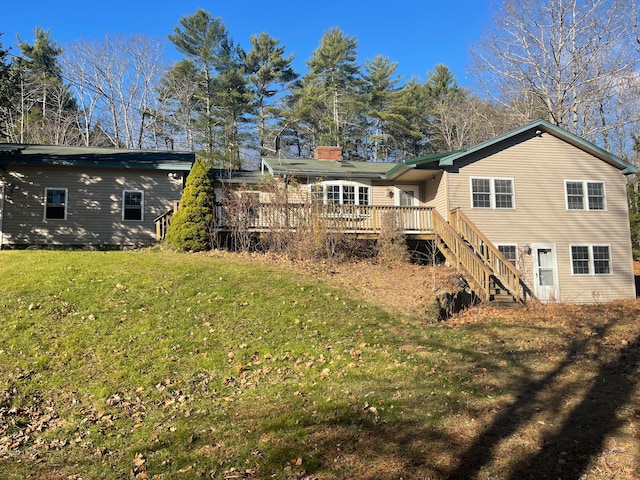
(159,365)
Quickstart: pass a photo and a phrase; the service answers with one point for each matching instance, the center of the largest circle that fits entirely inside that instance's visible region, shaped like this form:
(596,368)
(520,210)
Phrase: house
(537,212)
(85,197)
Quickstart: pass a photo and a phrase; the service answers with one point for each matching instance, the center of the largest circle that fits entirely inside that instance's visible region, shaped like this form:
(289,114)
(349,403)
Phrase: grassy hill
(159,365)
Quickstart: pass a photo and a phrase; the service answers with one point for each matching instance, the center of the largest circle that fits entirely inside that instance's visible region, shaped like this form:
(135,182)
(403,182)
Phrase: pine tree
(45,110)
(381,88)
(225,100)
(269,74)
(336,74)
(190,225)
(6,91)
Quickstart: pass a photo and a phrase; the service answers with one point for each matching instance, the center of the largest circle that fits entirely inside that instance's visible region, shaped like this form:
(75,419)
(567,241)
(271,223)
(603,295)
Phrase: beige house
(537,212)
(86,197)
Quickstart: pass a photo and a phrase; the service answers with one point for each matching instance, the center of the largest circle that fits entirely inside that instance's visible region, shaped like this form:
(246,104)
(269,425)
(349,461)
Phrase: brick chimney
(328,153)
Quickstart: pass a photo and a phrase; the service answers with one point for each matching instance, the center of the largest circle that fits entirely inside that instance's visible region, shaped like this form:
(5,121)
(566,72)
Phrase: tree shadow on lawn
(567,451)
(352,445)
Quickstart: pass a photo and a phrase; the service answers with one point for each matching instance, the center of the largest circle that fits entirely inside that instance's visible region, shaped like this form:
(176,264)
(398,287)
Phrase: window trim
(66,202)
(515,245)
(323,187)
(591,260)
(124,193)
(492,193)
(585,196)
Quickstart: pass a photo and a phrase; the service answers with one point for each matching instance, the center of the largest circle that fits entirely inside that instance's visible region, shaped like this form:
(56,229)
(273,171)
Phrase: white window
(340,193)
(585,195)
(591,260)
(510,252)
(133,205)
(492,193)
(55,204)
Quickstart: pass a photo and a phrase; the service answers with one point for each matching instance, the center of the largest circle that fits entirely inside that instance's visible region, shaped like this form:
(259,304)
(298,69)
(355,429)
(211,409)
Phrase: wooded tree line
(572,62)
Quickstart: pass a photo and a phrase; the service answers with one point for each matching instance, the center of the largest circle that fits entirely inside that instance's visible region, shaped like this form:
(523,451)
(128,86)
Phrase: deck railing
(163,221)
(339,218)
(466,246)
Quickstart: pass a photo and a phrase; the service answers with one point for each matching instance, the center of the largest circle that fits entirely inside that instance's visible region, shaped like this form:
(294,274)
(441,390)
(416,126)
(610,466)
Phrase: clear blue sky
(418,34)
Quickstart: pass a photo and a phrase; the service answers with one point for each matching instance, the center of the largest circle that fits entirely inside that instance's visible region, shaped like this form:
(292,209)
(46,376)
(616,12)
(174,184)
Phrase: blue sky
(418,34)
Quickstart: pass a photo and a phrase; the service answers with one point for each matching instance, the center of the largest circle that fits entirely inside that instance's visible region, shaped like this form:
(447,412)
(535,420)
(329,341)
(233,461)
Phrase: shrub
(190,225)
(392,244)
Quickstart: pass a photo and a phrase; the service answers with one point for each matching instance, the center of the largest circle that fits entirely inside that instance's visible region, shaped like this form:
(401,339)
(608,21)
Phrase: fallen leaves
(21,426)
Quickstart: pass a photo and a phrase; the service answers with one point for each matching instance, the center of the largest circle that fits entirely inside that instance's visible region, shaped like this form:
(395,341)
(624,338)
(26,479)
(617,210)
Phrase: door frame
(545,293)
(410,219)
(401,188)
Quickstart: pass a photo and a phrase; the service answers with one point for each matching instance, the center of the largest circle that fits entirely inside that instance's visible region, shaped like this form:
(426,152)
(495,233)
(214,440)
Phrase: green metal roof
(66,156)
(448,159)
(425,161)
(304,167)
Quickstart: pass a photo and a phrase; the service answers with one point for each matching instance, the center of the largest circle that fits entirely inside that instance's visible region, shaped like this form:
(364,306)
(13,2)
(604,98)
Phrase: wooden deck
(351,219)
(464,246)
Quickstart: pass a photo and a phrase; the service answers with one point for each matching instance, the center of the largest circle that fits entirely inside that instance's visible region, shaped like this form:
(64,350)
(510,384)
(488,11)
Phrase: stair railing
(465,259)
(502,268)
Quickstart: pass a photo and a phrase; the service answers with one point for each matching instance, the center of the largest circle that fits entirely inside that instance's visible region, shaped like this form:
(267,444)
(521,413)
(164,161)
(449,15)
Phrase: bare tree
(115,80)
(569,58)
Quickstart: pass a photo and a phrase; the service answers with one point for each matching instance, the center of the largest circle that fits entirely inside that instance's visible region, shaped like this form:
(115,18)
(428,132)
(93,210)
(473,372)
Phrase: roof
(67,156)
(533,128)
(328,169)
(427,161)
(238,177)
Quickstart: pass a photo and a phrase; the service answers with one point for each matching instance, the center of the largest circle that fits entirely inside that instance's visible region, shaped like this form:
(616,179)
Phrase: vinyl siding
(94,206)
(437,194)
(380,194)
(539,168)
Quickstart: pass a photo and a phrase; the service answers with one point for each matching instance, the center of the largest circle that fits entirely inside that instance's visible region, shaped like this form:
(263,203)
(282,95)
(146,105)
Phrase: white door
(545,272)
(407,196)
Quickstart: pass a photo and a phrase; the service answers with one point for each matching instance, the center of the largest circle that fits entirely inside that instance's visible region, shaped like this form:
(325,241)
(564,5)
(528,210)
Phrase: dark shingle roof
(304,167)
(62,155)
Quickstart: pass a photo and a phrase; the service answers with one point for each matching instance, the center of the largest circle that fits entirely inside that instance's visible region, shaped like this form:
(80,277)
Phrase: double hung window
(584,195)
(590,260)
(133,205)
(510,252)
(492,193)
(55,206)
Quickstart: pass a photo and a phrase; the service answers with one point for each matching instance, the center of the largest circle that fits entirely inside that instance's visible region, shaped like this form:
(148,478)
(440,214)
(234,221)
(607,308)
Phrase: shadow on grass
(567,453)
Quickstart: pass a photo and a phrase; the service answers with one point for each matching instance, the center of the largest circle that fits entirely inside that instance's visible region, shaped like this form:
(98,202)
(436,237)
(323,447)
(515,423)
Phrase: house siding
(437,193)
(539,167)
(94,206)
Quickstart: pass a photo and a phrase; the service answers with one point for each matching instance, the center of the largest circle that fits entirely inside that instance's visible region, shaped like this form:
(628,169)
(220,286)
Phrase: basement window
(510,252)
(55,207)
(591,260)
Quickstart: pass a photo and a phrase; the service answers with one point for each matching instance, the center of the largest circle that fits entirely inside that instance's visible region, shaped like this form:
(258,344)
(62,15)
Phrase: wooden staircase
(489,274)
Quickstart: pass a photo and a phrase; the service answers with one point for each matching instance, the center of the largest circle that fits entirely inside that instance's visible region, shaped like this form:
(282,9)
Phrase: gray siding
(94,205)
(539,168)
